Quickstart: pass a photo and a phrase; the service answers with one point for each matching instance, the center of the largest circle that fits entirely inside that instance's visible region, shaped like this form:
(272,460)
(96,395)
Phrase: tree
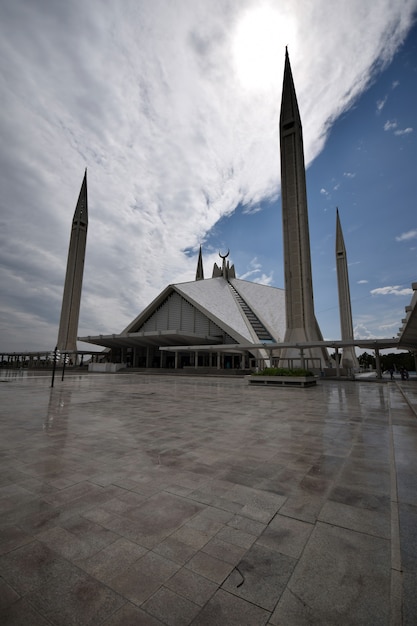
(397,360)
(333,356)
(366,360)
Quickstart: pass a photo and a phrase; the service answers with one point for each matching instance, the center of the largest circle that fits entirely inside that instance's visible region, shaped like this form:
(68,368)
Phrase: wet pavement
(143,499)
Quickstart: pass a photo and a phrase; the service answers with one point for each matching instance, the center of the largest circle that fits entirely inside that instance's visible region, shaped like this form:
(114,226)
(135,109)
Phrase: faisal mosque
(223,322)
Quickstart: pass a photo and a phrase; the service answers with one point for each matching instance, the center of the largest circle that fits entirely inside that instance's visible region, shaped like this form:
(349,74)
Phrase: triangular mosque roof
(215,299)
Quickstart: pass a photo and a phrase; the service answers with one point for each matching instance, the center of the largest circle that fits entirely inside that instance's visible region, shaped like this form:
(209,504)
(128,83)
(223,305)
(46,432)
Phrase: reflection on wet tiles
(355,497)
(134,497)
(303,507)
(338,569)
(360,519)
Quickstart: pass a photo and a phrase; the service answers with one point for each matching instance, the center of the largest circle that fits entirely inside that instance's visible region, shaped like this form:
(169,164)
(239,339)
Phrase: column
(302,360)
(378,364)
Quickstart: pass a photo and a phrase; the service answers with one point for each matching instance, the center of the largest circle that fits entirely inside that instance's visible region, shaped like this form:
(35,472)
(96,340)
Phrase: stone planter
(282,381)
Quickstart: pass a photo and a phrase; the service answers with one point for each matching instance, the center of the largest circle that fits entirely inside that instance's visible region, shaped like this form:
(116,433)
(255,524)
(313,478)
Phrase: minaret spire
(349,358)
(71,300)
(199,275)
(301,322)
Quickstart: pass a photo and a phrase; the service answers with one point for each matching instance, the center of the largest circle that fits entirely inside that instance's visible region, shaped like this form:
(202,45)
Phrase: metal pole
(63,367)
(54,367)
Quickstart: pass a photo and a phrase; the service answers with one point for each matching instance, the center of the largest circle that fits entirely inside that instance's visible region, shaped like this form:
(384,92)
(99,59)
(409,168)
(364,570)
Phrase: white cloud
(152,98)
(394,125)
(349,174)
(362,282)
(390,326)
(410,234)
(361,331)
(255,274)
(254,268)
(324,192)
(264,279)
(390,125)
(380,104)
(392,290)
(395,84)
(404,131)
(251,210)
(249,274)
(369,328)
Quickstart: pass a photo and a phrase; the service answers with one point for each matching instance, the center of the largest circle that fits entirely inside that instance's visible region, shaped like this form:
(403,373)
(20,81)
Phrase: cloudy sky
(173,107)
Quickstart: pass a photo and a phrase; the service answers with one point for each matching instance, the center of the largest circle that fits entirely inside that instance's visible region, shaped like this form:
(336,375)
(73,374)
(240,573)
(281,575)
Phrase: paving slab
(343,576)
(192,586)
(225,608)
(172,609)
(260,577)
(156,499)
(131,615)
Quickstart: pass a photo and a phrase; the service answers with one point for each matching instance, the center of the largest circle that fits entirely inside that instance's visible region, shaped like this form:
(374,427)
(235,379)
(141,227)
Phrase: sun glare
(258,47)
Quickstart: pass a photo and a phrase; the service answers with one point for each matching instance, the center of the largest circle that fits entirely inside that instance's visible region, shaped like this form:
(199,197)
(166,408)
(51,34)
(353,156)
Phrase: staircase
(260,330)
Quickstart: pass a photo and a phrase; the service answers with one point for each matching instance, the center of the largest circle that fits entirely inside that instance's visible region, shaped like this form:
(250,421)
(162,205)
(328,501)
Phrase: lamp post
(54,365)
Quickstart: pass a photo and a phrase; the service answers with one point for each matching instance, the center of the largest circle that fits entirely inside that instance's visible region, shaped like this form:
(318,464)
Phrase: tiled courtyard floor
(144,500)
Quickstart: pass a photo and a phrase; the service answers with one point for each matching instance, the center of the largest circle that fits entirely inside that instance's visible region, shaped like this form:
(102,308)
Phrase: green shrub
(283,371)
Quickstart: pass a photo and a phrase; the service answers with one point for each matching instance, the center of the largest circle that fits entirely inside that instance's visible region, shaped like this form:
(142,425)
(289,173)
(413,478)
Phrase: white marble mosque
(224,322)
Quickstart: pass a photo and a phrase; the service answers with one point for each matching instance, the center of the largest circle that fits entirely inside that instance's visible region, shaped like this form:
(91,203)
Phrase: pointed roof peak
(340,243)
(81,210)
(289,105)
(287,64)
(199,275)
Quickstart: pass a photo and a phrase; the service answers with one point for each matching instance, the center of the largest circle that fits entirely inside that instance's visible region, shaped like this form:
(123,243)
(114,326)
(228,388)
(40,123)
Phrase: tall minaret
(68,325)
(349,358)
(299,305)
